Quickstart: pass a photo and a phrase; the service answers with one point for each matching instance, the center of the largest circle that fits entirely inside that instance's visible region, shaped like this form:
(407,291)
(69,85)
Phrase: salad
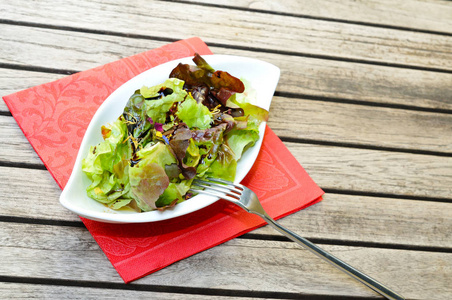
(196,124)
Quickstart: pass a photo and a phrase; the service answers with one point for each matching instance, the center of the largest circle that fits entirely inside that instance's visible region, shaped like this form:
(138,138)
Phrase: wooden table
(364,103)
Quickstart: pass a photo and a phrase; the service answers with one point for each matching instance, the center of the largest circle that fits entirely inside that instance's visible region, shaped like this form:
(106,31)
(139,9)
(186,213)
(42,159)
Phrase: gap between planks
(235,47)
(72,287)
(310,78)
(250,236)
(295,10)
(380,57)
(36,241)
(278,93)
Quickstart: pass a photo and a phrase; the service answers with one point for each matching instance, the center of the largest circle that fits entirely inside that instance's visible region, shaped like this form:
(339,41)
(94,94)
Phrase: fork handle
(358,275)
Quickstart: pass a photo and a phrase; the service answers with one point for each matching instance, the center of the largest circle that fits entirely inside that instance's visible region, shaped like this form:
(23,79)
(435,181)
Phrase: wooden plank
(344,217)
(51,252)
(361,125)
(36,199)
(244,29)
(409,14)
(372,171)
(315,120)
(337,168)
(12,290)
(364,170)
(379,220)
(41,46)
(12,81)
(299,75)
(376,171)
(16,148)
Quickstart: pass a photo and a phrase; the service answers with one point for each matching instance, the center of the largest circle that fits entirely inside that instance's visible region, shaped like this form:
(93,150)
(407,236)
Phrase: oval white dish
(262,76)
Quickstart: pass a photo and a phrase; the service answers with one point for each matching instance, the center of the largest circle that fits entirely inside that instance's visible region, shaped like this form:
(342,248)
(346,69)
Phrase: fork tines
(218,187)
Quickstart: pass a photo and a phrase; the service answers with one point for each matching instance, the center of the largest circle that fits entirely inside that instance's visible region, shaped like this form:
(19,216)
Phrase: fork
(247,199)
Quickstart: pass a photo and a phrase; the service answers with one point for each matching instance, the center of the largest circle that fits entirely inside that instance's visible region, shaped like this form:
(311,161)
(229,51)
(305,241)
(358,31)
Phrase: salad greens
(197,123)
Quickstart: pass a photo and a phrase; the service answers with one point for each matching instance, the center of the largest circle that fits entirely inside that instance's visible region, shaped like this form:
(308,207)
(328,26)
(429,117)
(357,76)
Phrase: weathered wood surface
(227,26)
(344,168)
(84,291)
(334,122)
(346,218)
(364,103)
(337,80)
(410,15)
(415,175)
(240,264)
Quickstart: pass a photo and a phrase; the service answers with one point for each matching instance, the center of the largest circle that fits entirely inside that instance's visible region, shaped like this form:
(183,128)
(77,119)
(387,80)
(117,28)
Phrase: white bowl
(262,76)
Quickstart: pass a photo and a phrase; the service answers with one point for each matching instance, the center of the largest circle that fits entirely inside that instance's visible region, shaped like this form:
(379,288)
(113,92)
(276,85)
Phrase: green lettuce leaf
(157,108)
(195,115)
(135,116)
(192,156)
(241,139)
(104,166)
(148,179)
(208,142)
(224,166)
(173,194)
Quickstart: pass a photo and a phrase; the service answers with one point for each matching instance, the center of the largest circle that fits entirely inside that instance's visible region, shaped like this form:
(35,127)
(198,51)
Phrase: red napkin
(54,117)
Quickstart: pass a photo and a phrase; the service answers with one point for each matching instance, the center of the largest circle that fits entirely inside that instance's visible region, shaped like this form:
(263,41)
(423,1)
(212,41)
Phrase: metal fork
(247,199)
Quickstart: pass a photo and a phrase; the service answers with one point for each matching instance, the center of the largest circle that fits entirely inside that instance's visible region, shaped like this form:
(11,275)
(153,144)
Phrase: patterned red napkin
(54,117)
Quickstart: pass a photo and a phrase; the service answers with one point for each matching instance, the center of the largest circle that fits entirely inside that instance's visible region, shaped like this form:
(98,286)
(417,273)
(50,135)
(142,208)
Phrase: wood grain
(361,125)
(409,14)
(387,221)
(248,29)
(16,148)
(25,46)
(239,264)
(53,291)
(367,171)
(347,218)
(12,81)
(336,168)
(298,118)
